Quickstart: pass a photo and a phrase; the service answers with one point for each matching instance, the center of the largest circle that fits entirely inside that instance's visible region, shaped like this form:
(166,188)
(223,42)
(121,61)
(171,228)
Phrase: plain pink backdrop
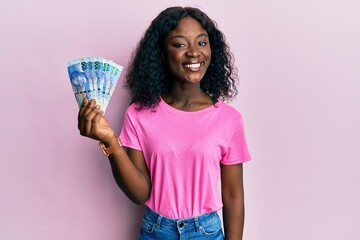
(299,64)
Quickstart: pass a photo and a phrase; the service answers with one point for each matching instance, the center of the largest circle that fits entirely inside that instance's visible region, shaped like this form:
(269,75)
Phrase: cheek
(173,55)
(174,58)
(173,62)
(208,53)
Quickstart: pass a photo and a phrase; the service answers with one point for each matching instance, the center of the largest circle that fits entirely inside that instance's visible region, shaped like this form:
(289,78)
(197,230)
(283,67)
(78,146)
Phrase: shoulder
(228,110)
(132,107)
(230,115)
(135,109)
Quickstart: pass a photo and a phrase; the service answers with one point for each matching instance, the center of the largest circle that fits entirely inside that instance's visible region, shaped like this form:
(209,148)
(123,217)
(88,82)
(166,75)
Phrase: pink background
(299,63)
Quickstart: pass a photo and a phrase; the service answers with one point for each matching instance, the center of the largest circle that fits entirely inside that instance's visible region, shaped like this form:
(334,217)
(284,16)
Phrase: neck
(187,97)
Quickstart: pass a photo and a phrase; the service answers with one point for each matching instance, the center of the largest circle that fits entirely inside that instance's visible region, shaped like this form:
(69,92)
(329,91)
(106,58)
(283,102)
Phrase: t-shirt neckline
(173,110)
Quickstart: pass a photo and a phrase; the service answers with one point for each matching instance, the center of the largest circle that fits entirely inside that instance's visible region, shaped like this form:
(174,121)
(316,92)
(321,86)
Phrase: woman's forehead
(187,26)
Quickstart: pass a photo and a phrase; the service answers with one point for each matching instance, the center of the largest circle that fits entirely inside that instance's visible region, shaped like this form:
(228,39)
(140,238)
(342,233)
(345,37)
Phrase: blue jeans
(155,227)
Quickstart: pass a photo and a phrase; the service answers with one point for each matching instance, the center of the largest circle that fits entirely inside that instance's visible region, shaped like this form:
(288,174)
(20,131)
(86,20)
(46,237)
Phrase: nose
(193,51)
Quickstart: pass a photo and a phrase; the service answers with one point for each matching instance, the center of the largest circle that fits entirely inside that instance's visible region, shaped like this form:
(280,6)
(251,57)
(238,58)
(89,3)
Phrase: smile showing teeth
(193,65)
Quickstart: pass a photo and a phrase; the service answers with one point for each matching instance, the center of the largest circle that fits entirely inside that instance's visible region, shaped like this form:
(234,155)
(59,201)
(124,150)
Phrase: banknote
(94,78)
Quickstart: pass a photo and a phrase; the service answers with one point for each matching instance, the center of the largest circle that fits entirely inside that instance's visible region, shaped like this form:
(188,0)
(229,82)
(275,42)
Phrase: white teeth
(194,65)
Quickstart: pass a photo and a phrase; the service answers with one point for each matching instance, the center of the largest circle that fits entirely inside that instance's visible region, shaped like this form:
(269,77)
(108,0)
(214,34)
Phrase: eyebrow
(181,36)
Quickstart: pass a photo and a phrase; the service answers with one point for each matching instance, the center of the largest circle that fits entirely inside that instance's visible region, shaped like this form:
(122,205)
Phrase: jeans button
(181,225)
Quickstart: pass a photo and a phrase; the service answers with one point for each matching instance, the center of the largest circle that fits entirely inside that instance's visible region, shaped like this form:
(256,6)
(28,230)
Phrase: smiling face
(187,51)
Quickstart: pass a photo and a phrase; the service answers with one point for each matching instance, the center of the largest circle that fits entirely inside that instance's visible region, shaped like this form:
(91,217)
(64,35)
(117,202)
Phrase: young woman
(179,137)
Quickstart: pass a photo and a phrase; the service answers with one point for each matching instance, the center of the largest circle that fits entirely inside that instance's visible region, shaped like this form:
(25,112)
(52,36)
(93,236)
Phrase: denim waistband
(195,222)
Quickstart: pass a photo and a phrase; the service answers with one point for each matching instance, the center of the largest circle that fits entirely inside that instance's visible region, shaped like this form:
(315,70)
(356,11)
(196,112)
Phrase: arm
(233,201)
(131,174)
(129,168)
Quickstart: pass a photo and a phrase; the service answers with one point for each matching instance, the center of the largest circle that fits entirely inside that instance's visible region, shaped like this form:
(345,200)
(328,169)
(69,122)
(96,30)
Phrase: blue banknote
(94,78)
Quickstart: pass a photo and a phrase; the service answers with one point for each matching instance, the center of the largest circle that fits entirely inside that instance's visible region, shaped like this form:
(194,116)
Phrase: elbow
(138,194)
(140,200)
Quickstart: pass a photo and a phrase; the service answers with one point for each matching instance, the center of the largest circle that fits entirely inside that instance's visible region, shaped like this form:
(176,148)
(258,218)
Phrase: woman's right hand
(93,124)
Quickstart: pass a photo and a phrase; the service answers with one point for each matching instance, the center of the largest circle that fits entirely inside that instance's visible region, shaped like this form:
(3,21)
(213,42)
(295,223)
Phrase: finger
(82,108)
(89,107)
(96,121)
(98,116)
(82,116)
(89,122)
(81,112)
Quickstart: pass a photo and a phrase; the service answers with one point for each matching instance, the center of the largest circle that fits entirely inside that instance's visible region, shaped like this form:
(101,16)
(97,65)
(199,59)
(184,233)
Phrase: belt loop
(158,221)
(197,225)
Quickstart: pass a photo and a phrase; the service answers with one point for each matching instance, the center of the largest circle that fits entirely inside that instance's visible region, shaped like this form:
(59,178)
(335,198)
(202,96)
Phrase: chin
(194,80)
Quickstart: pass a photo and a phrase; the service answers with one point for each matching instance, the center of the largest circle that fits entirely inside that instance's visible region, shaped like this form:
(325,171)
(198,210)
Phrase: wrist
(111,146)
(111,141)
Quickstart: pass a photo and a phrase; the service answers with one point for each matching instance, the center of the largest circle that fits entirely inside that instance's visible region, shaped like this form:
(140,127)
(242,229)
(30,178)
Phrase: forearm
(129,178)
(129,169)
(233,217)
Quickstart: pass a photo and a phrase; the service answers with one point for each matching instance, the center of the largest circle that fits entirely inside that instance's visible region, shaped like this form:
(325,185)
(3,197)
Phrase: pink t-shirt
(183,151)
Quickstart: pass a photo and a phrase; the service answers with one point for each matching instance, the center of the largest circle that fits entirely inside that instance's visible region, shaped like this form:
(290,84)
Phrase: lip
(193,66)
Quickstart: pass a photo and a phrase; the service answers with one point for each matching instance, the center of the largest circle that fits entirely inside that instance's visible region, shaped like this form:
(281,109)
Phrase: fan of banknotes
(94,78)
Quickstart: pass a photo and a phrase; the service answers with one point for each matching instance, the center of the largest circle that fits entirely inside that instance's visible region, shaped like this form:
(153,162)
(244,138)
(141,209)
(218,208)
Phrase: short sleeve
(129,135)
(237,151)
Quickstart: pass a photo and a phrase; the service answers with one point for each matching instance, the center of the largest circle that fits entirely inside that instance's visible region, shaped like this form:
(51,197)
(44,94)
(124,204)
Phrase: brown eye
(202,43)
(179,45)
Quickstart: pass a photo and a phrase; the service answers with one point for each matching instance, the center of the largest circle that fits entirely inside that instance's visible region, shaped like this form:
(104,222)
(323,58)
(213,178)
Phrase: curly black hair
(147,77)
